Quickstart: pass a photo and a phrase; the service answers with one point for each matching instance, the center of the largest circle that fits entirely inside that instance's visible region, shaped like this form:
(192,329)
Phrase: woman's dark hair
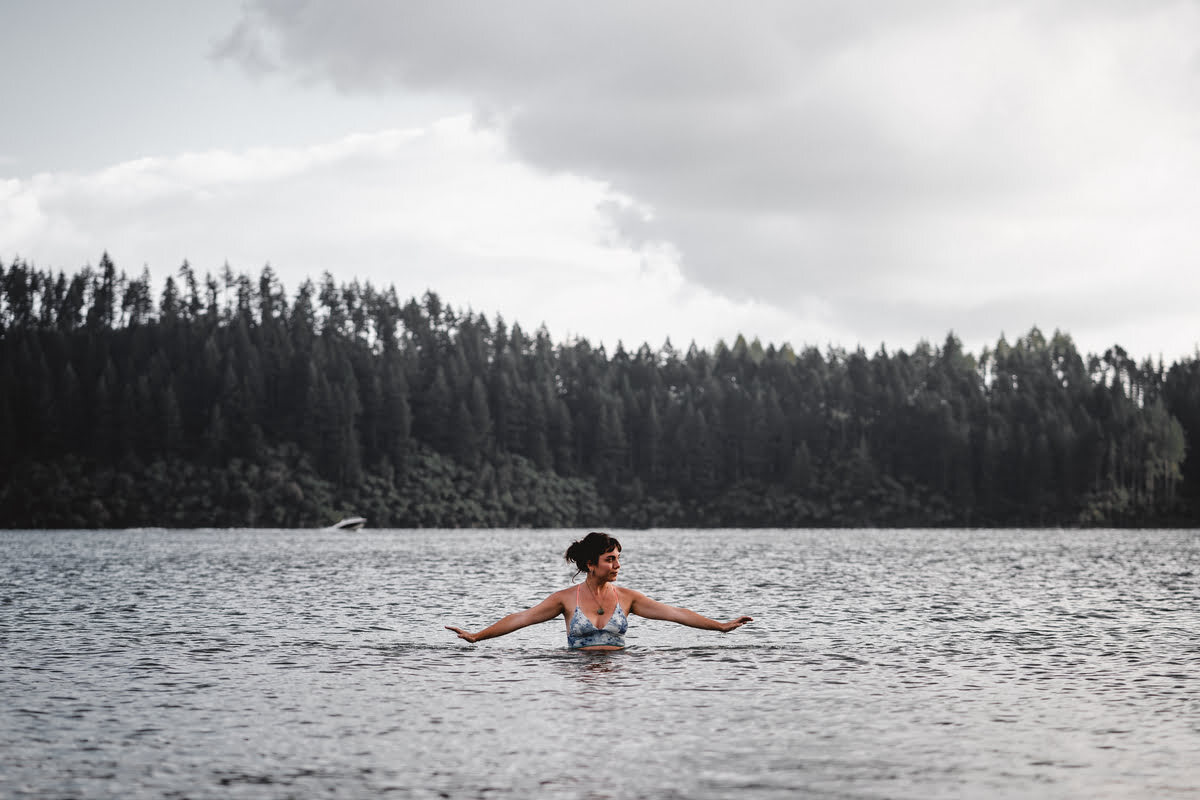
(589,549)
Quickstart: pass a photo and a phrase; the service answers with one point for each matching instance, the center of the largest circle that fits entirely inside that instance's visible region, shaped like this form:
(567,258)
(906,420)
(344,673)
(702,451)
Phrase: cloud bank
(442,208)
(872,171)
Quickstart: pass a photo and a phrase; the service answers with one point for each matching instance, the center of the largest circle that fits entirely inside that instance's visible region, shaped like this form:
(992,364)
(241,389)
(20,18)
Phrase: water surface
(897,664)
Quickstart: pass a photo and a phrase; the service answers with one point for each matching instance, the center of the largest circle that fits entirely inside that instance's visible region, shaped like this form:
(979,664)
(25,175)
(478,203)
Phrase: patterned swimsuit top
(582,632)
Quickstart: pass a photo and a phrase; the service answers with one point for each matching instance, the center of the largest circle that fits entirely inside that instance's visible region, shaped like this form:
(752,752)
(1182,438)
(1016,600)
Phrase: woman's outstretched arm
(652,609)
(544,611)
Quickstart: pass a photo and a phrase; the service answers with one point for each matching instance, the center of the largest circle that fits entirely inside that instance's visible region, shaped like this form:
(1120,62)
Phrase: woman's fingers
(461,633)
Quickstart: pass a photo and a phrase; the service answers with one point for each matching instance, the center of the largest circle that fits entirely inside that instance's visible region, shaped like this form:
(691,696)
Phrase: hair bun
(587,551)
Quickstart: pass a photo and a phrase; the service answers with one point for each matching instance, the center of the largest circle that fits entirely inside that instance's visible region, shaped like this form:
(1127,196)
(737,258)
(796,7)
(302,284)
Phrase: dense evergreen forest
(223,402)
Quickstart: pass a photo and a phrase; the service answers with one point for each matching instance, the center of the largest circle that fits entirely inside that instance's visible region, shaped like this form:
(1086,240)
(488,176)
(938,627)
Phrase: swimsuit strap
(616,607)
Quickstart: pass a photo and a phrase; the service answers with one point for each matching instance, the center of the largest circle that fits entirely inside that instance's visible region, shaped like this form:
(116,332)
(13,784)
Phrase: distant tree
(229,404)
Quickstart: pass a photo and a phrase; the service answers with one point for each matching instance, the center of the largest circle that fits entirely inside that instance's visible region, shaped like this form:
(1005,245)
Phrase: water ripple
(881,664)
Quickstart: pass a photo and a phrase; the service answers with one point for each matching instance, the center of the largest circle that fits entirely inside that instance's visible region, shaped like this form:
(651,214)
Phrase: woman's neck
(596,584)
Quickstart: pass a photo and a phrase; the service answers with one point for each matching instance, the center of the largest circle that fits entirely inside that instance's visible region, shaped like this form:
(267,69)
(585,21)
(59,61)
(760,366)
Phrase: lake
(881,664)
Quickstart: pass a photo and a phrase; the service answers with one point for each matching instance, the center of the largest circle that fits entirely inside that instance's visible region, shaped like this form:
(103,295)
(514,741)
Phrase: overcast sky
(817,173)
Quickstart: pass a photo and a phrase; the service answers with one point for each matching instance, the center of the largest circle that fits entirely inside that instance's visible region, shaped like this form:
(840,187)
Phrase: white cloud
(818,172)
(904,168)
(442,208)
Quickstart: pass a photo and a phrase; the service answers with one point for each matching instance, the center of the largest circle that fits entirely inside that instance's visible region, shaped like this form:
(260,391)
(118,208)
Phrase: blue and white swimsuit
(582,632)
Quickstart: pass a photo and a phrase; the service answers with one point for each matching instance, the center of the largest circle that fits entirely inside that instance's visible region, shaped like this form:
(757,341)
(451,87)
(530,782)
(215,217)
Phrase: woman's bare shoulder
(630,594)
(564,595)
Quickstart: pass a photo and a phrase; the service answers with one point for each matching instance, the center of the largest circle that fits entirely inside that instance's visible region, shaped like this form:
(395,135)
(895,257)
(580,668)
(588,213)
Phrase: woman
(596,610)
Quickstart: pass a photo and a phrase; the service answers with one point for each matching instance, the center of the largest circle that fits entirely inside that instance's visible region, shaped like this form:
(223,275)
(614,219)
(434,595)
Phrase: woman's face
(607,566)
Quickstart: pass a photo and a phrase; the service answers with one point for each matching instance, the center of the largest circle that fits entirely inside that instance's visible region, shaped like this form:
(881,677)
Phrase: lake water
(881,664)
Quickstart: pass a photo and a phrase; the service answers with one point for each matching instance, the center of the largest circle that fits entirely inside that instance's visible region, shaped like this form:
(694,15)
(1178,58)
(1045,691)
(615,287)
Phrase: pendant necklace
(594,597)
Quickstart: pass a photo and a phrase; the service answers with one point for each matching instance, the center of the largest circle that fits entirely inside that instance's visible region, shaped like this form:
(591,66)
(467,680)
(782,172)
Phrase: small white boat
(348,524)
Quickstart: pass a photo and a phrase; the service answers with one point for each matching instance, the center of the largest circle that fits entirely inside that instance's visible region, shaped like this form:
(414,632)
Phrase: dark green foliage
(226,404)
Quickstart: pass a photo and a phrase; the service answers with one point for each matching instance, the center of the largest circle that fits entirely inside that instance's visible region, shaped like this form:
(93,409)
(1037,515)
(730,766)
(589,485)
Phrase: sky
(815,173)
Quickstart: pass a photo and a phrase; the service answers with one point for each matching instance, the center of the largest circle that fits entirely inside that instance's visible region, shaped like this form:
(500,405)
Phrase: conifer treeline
(223,402)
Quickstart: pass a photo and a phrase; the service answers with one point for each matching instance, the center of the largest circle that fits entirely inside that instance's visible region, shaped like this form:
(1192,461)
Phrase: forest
(223,401)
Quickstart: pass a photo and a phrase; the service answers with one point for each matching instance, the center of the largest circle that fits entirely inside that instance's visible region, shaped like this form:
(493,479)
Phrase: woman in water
(596,611)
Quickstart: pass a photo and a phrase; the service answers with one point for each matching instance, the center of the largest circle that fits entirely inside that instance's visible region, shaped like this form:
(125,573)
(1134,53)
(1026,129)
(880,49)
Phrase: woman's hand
(726,627)
(470,637)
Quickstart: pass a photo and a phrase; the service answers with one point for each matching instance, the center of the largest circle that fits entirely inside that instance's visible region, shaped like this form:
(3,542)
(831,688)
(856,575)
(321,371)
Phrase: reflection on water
(880,664)
(594,669)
